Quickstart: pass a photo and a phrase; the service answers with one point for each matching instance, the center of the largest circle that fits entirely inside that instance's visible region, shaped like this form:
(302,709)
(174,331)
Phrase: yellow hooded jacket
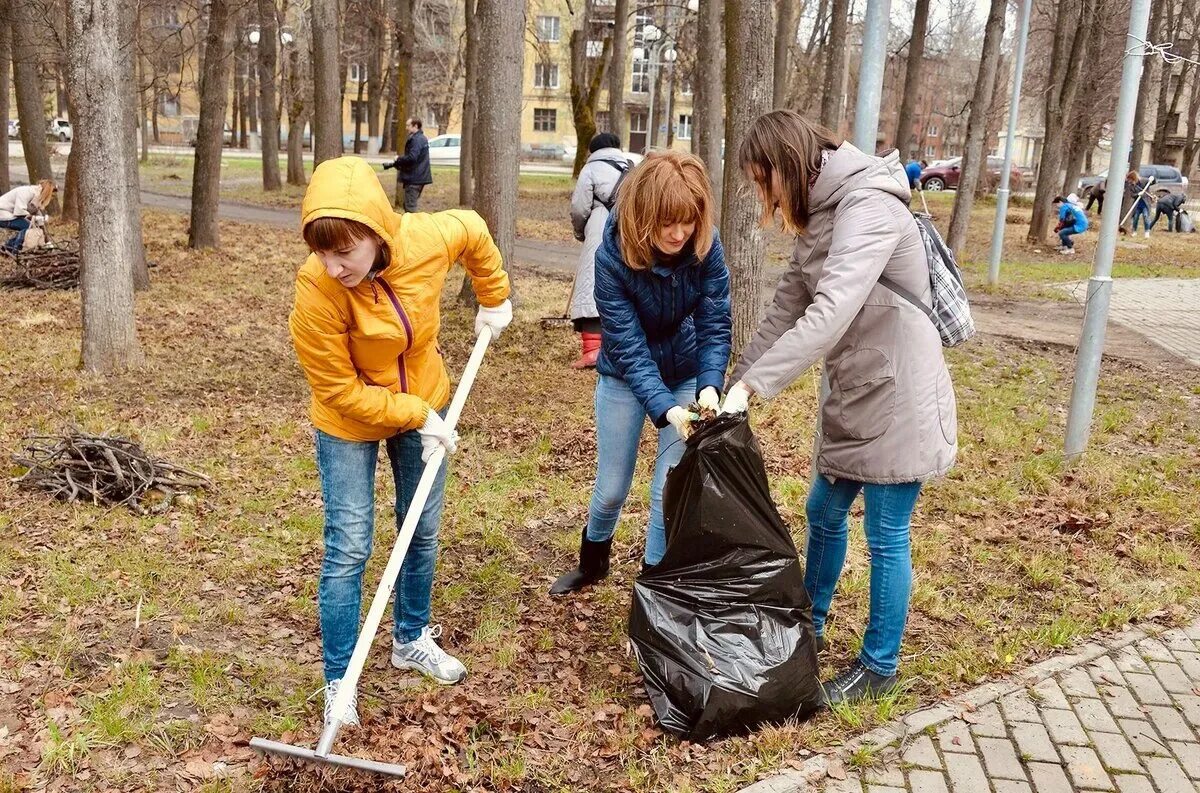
(370,353)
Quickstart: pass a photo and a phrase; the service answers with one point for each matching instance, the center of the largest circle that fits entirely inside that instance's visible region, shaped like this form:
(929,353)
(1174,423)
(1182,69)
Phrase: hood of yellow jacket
(347,187)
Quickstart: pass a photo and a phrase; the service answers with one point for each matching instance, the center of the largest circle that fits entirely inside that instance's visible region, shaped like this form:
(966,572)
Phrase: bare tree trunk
(297,118)
(327,85)
(616,71)
(835,66)
(358,114)
(252,82)
(1150,70)
(404,82)
(466,170)
(912,79)
(498,125)
(1162,128)
(214,89)
(235,125)
(709,105)
(747,95)
(110,340)
(974,157)
(70,193)
(785,39)
(1069,43)
(375,77)
(5,73)
(268,68)
(136,249)
(1077,147)
(143,113)
(27,84)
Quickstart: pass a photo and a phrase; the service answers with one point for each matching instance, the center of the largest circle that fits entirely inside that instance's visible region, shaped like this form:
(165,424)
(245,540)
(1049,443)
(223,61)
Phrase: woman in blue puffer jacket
(662,292)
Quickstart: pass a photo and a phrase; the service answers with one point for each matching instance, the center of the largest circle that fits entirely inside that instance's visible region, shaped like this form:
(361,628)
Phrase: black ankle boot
(856,684)
(593,566)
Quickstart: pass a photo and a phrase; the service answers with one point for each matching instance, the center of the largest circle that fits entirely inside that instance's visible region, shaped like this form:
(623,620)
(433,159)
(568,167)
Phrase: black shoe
(856,684)
(820,643)
(593,566)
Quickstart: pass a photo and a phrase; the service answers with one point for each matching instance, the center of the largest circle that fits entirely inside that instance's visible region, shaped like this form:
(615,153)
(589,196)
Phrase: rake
(324,751)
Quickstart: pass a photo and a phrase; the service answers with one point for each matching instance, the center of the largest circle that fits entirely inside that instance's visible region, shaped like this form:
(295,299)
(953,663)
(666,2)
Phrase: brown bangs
(335,234)
(667,187)
(782,153)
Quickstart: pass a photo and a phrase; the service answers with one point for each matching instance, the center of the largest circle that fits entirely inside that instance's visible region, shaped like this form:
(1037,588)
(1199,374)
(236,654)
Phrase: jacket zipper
(407,331)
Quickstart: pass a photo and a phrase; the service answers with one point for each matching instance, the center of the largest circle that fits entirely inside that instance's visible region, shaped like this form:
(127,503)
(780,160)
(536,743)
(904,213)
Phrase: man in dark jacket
(1168,205)
(413,166)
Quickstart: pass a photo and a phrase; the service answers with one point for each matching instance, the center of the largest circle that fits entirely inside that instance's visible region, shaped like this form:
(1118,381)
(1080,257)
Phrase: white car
(445,149)
(569,150)
(60,130)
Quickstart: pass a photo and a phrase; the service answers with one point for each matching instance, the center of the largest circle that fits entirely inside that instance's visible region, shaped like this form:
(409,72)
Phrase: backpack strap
(909,296)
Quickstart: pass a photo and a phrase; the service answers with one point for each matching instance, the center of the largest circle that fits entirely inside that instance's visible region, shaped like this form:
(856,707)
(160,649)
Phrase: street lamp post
(661,52)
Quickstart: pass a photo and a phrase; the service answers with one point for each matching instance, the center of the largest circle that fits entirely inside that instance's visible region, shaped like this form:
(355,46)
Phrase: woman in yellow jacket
(365,327)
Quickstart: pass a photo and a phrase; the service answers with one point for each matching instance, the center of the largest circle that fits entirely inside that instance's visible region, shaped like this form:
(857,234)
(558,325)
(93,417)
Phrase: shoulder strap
(620,168)
(909,296)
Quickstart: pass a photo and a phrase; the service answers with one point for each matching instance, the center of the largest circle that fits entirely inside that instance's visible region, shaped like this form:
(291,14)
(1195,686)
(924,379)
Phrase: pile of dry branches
(103,469)
(53,266)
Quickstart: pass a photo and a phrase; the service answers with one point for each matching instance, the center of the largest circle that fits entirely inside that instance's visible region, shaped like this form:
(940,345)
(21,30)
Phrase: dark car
(1167,179)
(944,176)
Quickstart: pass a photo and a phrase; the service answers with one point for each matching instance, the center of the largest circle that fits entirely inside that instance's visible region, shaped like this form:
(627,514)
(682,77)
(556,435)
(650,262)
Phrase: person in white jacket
(23,207)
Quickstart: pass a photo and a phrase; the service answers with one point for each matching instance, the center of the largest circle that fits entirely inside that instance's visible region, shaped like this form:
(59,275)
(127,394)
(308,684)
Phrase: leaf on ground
(836,769)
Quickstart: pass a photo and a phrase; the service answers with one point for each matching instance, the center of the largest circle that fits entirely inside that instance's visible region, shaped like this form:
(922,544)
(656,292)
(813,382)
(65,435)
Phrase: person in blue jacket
(913,172)
(1072,220)
(662,292)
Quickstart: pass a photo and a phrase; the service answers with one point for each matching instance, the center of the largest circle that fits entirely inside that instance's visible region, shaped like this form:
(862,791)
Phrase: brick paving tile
(1170,724)
(1085,769)
(1188,755)
(956,737)
(1177,641)
(966,774)
(1019,707)
(1076,683)
(1172,677)
(989,723)
(1190,663)
(890,776)
(1064,727)
(1154,650)
(1189,706)
(1130,660)
(1148,690)
(884,789)
(1047,694)
(1133,783)
(1115,752)
(1000,759)
(1094,716)
(1104,670)
(1120,702)
(1009,786)
(851,784)
(1168,776)
(927,782)
(1143,736)
(1034,743)
(1049,778)
(922,754)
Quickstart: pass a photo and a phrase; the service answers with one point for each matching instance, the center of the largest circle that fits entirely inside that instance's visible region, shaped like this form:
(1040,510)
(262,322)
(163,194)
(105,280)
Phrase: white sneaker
(1147,234)
(426,657)
(350,716)
(1067,251)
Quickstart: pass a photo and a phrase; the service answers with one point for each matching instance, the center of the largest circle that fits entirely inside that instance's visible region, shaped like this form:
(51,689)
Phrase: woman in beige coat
(889,422)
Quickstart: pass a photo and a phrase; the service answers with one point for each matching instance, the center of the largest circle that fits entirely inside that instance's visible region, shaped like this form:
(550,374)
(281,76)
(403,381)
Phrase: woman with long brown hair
(889,423)
(662,292)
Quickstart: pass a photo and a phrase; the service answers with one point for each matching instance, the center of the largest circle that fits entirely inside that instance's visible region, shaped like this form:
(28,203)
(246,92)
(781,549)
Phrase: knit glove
(496,318)
(681,419)
(738,398)
(435,433)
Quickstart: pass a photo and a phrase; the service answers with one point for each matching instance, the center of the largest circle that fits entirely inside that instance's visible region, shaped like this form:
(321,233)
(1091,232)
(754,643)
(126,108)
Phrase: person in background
(662,291)
(1071,221)
(593,200)
(1168,205)
(412,167)
(1095,195)
(23,207)
(889,423)
(1129,194)
(913,171)
(1141,205)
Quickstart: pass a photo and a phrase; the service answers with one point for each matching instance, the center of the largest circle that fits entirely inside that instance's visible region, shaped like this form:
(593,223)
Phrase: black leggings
(586,324)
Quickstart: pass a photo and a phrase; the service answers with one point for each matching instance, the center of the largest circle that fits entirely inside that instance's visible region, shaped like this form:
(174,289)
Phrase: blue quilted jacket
(662,326)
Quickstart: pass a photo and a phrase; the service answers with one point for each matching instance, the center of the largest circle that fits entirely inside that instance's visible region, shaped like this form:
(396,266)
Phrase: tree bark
(252,88)
(912,80)
(616,72)
(235,126)
(375,78)
(466,170)
(27,84)
(709,105)
(136,249)
(98,82)
(143,113)
(268,69)
(748,95)
(1162,127)
(297,118)
(498,125)
(5,73)
(785,40)
(358,114)
(835,66)
(70,193)
(214,90)
(1151,67)
(975,155)
(1068,49)
(585,89)
(406,39)
(328,82)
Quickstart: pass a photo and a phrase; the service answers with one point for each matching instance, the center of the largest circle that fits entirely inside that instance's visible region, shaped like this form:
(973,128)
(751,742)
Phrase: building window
(545,119)
(545,75)
(358,73)
(168,106)
(548,29)
(595,48)
(637,122)
(684,130)
(685,86)
(358,112)
(603,121)
(931,131)
(930,152)
(640,82)
(643,17)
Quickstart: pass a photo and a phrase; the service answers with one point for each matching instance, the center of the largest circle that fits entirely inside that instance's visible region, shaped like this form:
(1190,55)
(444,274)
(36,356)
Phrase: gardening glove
(40,220)
(709,399)
(496,318)
(436,432)
(738,399)
(681,419)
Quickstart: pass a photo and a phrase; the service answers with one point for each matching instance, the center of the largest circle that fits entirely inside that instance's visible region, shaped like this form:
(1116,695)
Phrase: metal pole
(650,114)
(1095,315)
(870,75)
(1010,143)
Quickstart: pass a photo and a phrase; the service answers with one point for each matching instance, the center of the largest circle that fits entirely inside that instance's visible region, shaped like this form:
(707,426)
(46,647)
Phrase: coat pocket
(947,406)
(863,396)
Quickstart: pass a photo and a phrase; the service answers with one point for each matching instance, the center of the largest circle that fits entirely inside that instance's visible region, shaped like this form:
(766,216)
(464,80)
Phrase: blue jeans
(348,490)
(888,513)
(20,225)
(619,421)
(1065,237)
(1142,211)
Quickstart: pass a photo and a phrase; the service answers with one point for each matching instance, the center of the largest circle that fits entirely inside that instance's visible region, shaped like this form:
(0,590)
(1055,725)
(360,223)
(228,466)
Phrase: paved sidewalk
(1161,309)
(1121,716)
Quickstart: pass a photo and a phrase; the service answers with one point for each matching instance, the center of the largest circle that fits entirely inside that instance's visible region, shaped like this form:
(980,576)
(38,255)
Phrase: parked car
(445,149)
(1167,179)
(60,129)
(14,128)
(945,176)
(226,137)
(569,154)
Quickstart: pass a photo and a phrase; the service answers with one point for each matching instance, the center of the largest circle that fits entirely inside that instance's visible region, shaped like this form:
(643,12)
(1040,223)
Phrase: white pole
(1014,106)
(870,75)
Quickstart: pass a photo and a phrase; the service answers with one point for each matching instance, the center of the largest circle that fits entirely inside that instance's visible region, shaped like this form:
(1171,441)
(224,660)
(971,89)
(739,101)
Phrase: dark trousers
(412,194)
(19,225)
(1064,235)
(1172,215)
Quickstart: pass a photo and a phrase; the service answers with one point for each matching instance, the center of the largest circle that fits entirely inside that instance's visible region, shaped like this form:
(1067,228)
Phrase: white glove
(39,220)
(435,432)
(737,400)
(681,419)
(495,318)
(709,399)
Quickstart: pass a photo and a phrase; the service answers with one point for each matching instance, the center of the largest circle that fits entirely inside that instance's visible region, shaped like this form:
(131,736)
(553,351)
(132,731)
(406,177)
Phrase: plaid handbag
(950,312)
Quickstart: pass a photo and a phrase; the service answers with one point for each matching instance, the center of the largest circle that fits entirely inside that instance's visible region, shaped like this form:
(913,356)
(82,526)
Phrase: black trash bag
(722,627)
